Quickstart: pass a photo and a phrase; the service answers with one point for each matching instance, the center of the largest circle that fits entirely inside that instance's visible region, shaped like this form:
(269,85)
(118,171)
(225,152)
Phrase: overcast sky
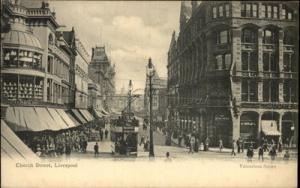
(133,31)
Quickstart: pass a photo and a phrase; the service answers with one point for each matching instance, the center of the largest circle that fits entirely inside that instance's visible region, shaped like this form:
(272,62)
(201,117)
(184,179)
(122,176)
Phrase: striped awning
(269,128)
(12,147)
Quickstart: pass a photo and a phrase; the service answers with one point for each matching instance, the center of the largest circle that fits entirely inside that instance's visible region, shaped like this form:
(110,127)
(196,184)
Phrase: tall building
(35,61)
(233,70)
(101,71)
(44,70)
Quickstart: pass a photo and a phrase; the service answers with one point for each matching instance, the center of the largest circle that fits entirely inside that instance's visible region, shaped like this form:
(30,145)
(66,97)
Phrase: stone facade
(36,59)
(233,68)
(101,71)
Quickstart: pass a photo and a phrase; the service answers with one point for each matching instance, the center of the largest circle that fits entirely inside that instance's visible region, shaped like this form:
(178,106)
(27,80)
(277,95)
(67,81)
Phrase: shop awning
(12,147)
(77,123)
(269,128)
(86,115)
(57,118)
(47,119)
(24,119)
(66,118)
(98,113)
(79,116)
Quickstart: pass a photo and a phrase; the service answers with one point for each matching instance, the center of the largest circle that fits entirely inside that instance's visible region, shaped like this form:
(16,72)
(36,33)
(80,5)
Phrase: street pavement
(160,149)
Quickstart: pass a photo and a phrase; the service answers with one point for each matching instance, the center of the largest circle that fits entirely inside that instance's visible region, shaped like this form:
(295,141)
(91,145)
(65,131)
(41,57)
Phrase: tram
(124,134)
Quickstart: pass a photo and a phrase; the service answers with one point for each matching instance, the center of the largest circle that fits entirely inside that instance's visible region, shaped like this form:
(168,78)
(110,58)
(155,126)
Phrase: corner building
(233,71)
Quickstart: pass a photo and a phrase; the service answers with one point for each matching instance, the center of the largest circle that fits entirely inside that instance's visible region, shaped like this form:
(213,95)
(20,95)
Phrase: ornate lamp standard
(150,73)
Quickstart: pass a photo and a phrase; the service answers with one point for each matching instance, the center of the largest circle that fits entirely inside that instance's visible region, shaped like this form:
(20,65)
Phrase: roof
(21,38)
(33,3)
(99,54)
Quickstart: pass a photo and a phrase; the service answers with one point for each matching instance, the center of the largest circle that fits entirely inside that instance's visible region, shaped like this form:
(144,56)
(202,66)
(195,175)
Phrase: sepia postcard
(149,93)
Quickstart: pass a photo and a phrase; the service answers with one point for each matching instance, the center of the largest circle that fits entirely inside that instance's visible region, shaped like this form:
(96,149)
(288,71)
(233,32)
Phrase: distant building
(233,70)
(81,75)
(101,71)
(159,106)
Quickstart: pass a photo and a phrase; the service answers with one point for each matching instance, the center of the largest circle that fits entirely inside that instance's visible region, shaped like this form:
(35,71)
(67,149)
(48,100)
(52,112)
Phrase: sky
(131,31)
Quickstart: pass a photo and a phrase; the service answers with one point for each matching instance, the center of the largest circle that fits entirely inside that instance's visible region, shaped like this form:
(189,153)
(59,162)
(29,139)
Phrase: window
(249,90)
(269,36)
(249,10)
(221,11)
(223,37)
(227,10)
(249,36)
(249,61)
(275,12)
(289,37)
(214,12)
(223,61)
(269,62)
(254,10)
(263,11)
(290,91)
(270,11)
(287,13)
(289,64)
(270,91)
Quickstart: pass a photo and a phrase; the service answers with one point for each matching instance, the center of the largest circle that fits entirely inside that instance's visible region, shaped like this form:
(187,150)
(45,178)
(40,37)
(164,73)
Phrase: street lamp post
(150,73)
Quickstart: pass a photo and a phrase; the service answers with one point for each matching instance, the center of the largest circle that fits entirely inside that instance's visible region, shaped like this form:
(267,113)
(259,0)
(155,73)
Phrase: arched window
(289,37)
(269,36)
(249,35)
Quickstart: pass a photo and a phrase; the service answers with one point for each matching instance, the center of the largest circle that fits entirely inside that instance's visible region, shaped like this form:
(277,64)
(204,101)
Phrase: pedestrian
(196,145)
(272,153)
(179,140)
(68,150)
(233,148)
(238,145)
(192,144)
(220,145)
(206,148)
(261,153)
(168,158)
(96,149)
(142,140)
(250,153)
(279,145)
(242,145)
(286,156)
(101,134)
(106,133)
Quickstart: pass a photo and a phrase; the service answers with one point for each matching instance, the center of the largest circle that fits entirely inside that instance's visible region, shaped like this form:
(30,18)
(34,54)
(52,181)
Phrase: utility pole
(150,72)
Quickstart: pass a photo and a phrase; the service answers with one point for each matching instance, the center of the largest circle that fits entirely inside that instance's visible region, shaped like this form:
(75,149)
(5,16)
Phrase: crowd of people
(54,144)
